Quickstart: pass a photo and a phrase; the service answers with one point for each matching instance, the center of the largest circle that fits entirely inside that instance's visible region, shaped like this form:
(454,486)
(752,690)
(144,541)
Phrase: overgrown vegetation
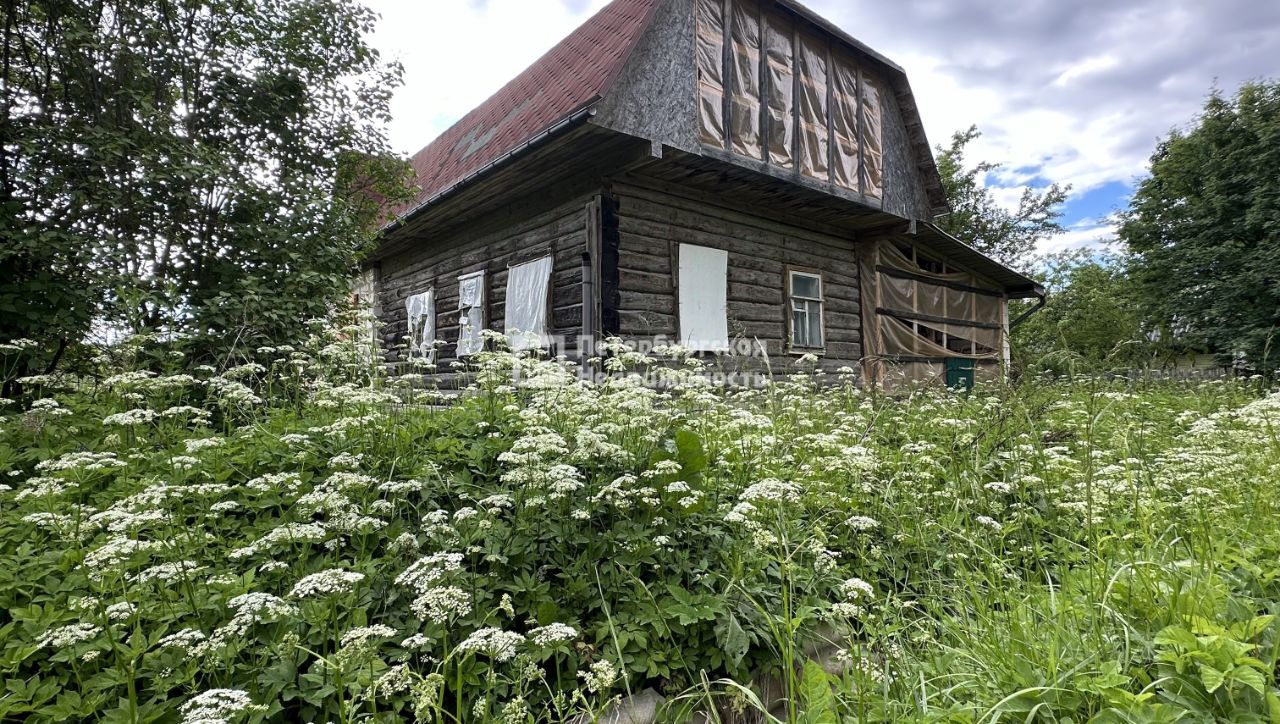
(206,169)
(306,542)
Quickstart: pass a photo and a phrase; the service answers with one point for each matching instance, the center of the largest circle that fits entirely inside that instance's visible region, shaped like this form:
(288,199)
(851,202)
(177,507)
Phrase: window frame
(792,345)
(544,336)
(480,307)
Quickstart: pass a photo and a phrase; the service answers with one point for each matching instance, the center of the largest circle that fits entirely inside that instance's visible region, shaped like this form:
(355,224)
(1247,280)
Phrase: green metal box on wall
(960,373)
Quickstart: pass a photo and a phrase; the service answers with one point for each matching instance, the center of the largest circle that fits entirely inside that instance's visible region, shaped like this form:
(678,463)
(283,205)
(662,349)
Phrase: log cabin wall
(651,225)
(560,230)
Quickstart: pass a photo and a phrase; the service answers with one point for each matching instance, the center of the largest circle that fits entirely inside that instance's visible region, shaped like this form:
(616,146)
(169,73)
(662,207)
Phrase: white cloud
(457,53)
(1084,233)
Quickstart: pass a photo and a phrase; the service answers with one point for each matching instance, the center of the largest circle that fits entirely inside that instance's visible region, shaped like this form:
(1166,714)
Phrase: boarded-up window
(844,120)
(744,110)
(527,300)
(813,107)
(704,322)
(420,310)
(780,88)
(710,54)
(470,313)
(872,147)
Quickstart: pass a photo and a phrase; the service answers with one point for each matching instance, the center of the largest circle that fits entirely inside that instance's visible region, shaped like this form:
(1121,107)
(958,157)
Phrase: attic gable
(772,86)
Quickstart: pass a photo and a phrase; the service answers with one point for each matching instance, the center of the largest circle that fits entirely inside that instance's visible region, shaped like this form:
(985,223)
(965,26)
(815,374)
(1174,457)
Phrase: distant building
(705,171)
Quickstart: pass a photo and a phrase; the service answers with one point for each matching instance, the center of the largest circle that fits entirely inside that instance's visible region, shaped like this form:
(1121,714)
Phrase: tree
(1205,228)
(976,217)
(1092,315)
(204,169)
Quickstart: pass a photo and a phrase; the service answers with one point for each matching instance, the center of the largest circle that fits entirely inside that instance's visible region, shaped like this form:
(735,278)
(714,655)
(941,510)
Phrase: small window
(806,310)
(420,311)
(470,313)
(528,287)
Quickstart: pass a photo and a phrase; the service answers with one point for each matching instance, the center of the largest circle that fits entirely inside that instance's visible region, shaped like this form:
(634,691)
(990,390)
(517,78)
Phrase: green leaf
(1211,678)
(731,639)
(819,701)
(1250,677)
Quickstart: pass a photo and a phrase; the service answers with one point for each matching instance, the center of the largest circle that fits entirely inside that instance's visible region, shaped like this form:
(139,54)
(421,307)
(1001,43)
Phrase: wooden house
(723,174)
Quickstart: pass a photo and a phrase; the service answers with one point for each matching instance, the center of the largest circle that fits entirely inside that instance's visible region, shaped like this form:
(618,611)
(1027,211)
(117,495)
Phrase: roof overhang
(548,134)
(1014,284)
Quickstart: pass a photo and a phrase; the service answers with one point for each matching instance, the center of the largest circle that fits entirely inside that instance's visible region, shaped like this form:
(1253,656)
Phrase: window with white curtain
(470,313)
(420,311)
(528,287)
(805,291)
(704,322)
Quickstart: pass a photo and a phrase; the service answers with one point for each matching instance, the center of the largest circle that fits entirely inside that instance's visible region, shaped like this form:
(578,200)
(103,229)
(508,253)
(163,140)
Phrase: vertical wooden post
(730,69)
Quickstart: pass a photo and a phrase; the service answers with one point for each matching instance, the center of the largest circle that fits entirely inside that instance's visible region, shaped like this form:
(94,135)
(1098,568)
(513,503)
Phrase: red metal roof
(571,75)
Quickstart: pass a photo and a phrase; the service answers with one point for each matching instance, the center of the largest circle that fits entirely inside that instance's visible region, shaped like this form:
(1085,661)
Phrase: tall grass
(310,541)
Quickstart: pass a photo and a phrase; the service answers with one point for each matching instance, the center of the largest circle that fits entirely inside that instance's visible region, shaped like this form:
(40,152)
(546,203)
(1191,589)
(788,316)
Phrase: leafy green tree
(1205,228)
(1092,317)
(976,217)
(203,169)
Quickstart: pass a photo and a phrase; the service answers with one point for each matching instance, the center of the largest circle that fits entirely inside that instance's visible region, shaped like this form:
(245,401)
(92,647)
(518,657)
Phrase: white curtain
(470,313)
(421,309)
(704,322)
(527,288)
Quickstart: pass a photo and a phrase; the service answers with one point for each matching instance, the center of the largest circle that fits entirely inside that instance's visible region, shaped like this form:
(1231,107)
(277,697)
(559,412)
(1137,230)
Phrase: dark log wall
(651,226)
(560,230)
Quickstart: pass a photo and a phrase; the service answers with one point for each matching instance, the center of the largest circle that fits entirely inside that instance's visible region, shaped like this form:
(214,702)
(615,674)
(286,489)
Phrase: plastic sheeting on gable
(744,95)
(527,300)
(420,310)
(872,146)
(704,320)
(813,107)
(710,63)
(470,313)
(844,121)
(780,88)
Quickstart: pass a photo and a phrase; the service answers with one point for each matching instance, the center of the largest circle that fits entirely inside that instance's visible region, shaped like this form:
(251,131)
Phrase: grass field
(293,543)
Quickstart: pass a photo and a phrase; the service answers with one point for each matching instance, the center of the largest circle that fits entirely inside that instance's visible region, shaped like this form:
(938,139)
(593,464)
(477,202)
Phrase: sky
(1075,92)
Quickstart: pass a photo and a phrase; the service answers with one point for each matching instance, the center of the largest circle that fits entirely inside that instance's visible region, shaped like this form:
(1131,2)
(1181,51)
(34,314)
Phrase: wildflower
(70,635)
(131,417)
(499,644)
(862,523)
(334,581)
(196,445)
(506,606)
(441,604)
(771,489)
(363,635)
(168,572)
(426,571)
(186,639)
(416,641)
(855,588)
(998,487)
(991,523)
(120,611)
(600,676)
(218,705)
(552,634)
